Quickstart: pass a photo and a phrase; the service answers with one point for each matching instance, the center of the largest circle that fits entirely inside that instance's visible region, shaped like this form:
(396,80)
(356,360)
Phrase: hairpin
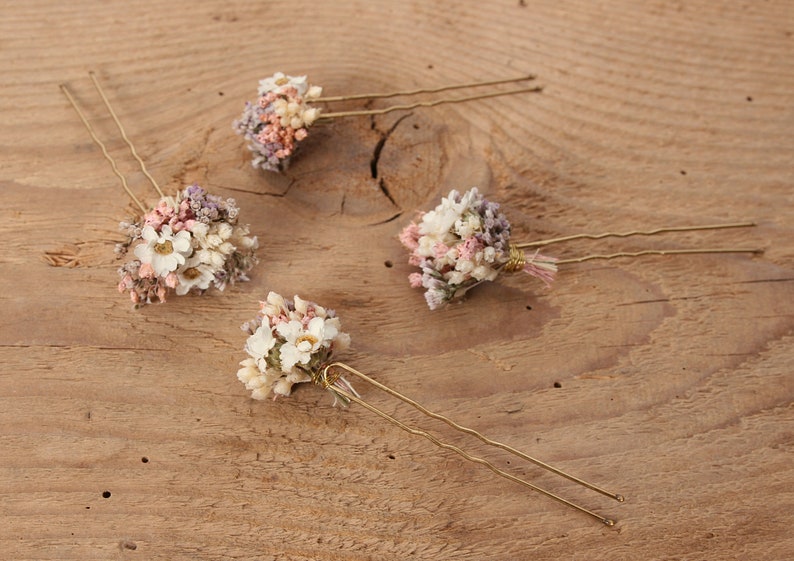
(279,120)
(187,242)
(293,341)
(465,240)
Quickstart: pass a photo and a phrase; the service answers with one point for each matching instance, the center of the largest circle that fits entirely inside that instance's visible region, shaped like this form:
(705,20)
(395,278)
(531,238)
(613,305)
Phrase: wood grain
(666,379)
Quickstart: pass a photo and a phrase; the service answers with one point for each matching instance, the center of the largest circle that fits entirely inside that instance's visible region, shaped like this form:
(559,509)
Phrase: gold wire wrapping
(327,377)
(516,261)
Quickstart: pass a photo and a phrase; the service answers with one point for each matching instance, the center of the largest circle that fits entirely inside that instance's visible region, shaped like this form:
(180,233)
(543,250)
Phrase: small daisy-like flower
(302,342)
(163,250)
(193,274)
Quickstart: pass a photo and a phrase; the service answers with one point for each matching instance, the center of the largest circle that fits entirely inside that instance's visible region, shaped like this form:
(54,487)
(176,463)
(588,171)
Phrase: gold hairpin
(287,106)
(102,146)
(187,242)
(293,341)
(465,240)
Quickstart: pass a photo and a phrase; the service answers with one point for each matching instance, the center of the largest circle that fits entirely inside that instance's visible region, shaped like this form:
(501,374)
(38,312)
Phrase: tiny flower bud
(310,115)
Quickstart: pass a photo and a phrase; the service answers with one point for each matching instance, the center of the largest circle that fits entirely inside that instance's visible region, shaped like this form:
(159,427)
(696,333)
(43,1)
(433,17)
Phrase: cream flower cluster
(295,112)
(188,242)
(290,341)
(464,241)
(279,120)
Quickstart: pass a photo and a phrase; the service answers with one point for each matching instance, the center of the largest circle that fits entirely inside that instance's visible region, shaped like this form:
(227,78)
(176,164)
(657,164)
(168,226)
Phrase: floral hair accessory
(293,341)
(187,242)
(290,342)
(465,240)
(286,108)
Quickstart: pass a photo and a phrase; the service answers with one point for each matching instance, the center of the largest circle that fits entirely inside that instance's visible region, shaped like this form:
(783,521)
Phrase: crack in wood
(390,219)
(276,195)
(385,191)
(384,136)
(784,279)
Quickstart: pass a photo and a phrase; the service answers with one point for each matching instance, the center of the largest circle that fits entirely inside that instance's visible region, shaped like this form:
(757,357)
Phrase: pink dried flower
(409,236)
(440,250)
(171,280)
(146,271)
(469,248)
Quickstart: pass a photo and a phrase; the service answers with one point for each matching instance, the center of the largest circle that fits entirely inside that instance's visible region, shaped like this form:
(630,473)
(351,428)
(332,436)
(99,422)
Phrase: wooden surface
(666,379)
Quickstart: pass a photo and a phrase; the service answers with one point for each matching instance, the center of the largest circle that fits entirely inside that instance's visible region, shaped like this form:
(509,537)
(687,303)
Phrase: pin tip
(620,498)
(609,522)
